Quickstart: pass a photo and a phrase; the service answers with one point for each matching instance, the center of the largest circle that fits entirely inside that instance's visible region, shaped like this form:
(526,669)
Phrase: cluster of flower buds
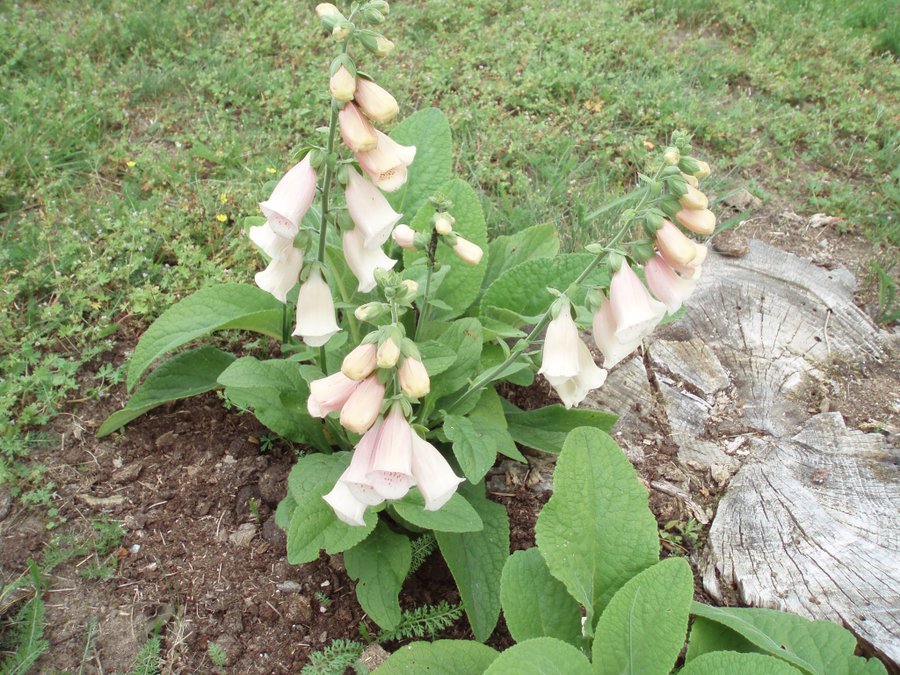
(442,223)
(672,267)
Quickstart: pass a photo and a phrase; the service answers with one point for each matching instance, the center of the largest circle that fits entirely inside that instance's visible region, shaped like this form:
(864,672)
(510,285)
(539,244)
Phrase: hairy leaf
(444,657)
(541,656)
(429,131)
(380,562)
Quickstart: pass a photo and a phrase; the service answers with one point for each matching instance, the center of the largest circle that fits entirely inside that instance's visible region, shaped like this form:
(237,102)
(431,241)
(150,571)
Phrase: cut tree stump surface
(810,517)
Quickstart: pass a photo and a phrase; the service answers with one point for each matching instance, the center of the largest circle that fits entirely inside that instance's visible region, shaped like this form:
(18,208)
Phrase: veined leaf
(380,563)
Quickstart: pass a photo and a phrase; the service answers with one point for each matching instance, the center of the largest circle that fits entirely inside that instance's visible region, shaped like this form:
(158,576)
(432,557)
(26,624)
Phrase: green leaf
(461,286)
(285,511)
(734,663)
(815,647)
(187,374)
(463,336)
(520,371)
(546,428)
(472,450)
(537,241)
(457,515)
(535,604)
(207,310)
(429,131)
(642,630)
(444,657)
(380,562)
(476,562)
(436,357)
(489,418)
(597,531)
(277,392)
(313,525)
(541,656)
(522,290)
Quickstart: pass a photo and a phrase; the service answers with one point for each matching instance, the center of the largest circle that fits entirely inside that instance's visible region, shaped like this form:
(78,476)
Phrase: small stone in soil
(731,244)
(128,473)
(297,609)
(373,656)
(167,440)
(243,535)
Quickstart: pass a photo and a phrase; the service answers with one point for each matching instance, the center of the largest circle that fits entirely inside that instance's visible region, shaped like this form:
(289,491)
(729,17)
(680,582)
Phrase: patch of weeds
(217,655)
(146,662)
(681,535)
(23,635)
(888,311)
(99,546)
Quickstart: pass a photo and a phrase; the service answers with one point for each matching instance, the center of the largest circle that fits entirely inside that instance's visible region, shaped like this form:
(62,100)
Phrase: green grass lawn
(137,135)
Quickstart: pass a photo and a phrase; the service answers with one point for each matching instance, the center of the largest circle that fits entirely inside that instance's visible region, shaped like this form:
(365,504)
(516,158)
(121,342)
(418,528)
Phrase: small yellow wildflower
(271,169)
(221,217)
(223,197)
(130,164)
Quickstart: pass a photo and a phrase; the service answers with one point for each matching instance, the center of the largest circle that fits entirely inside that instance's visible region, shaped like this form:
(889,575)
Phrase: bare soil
(200,561)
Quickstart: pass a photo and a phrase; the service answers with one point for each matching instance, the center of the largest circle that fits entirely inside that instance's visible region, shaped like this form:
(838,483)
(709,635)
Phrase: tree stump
(810,517)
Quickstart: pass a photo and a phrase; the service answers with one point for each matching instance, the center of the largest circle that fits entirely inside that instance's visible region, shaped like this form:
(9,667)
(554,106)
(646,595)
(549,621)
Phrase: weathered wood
(810,520)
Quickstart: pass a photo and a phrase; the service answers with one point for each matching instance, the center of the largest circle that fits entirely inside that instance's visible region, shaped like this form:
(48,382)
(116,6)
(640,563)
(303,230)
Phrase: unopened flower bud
(372,15)
(362,408)
(690,180)
(704,169)
(370,311)
(697,221)
(356,130)
(342,85)
(443,224)
(467,251)
(689,165)
(694,199)
(383,46)
(677,185)
(361,362)
(404,236)
(414,380)
(327,10)
(388,353)
(341,31)
(375,101)
(411,286)
(676,248)
(642,251)
(671,156)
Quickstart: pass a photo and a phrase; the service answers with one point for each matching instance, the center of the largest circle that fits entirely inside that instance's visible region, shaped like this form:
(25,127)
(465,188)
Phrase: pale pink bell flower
(386,164)
(692,270)
(357,132)
(433,475)
(560,354)
(390,472)
(572,390)
(342,85)
(605,337)
(414,380)
(364,260)
(666,284)
(360,363)
(346,507)
(356,475)
(375,101)
(329,394)
(267,241)
(467,251)
(290,200)
(388,353)
(362,408)
(635,312)
(281,274)
(369,210)
(316,321)
(694,199)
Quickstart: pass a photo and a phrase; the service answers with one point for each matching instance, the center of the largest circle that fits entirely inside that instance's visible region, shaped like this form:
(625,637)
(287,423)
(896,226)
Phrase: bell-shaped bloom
(290,200)
(268,242)
(414,380)
(362,408)
(316,322)
(388,353)
(356,475)
(364,260)
(693,268)
(560,354)
(636,313)
(329,394)
(698,221)
(390,472)
(433,475)
(360,363)
(375,101)
(342,85)
(674,246)
(281,274)
(694,199)
(666,284)
(604,333)
(387,163)
(345,505)
(467,251)
(405,237)
(369,210)
(572,390)
(357,132)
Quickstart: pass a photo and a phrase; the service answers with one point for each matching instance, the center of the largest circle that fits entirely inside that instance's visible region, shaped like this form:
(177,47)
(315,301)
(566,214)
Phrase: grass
(135,136)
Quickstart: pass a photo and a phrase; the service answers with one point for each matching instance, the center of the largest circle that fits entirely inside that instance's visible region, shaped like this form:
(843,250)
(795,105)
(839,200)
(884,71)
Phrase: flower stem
(432,246)
(326,189)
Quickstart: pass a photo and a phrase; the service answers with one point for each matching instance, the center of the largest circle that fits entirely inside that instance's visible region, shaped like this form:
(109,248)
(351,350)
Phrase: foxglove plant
(407,320)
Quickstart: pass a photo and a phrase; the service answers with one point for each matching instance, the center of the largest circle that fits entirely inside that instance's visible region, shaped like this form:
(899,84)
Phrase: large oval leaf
(541,656)
(444,657)
(735,663)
